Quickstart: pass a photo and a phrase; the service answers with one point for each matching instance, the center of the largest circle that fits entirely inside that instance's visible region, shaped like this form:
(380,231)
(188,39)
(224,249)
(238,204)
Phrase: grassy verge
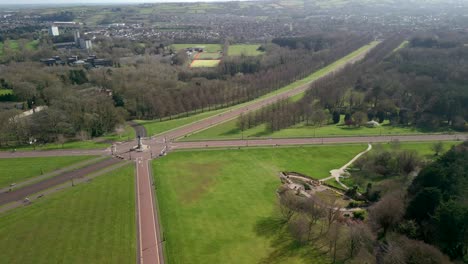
(402,45)
(160,127)
(229,130)
(90,223)
(5,91)
(206,47)
(204,63)
(103,142)
(211,200)
(244,49)
(87,144)
(18,169)
(423,149)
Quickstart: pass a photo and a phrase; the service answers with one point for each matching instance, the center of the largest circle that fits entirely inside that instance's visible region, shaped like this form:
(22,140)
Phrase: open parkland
(188,190)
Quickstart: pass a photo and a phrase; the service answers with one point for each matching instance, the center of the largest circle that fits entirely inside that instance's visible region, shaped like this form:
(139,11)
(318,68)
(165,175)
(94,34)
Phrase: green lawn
(1,48)
(18,169)
(206,47)
(102,142)
(5,91)
(422,148)
(13,44)
(156,127)
(87,144)
(229,130)
(210,201)
(209,56)
(402,45)
(90,223)
(204,63)
(32,45)
(244,49)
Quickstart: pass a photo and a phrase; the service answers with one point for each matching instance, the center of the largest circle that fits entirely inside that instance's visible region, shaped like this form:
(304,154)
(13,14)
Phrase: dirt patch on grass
(199,180)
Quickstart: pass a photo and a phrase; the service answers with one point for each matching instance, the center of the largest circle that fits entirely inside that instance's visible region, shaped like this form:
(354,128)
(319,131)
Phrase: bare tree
(387,212)
(360,239)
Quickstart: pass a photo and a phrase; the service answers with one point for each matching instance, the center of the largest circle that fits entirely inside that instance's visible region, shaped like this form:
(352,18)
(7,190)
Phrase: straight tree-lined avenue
(149,235)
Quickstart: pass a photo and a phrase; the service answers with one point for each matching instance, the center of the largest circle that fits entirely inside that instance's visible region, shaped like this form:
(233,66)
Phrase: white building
(86,44)
(54,31)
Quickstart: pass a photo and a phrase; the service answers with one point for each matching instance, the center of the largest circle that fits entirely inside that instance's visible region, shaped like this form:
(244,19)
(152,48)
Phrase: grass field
(208,56)
(402,45)
(207,47)
(102,142)
(244,49)
(154,127)
(14,45)
(211,201)
(5,91)
(229,130)
(204,63)
(422,148)
(88,144)
(90,223)
(159,127)
(18,169)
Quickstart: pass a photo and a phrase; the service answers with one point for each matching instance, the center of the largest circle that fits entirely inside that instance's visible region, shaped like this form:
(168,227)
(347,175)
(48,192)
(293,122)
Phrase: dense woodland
(422,85)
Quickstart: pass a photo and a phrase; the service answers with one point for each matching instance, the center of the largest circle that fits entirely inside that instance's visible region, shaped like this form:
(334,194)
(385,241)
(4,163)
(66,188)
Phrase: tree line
(401,86)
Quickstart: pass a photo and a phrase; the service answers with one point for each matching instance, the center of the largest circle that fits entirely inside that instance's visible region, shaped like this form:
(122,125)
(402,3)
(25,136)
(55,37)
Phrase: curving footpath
(336,174)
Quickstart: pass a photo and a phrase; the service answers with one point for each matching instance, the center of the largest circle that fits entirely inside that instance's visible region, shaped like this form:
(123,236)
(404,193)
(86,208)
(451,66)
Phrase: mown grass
(90,223)
(208,56)
(402,45)
(211,201)
(423,149)
(5,92)
(206,47)
(102,142)
(204,63)
(244,49)
(15,170)
(159,127)
(86,144)
(229,130)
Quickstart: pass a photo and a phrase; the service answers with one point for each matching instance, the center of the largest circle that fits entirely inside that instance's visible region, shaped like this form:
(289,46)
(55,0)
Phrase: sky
(15,2)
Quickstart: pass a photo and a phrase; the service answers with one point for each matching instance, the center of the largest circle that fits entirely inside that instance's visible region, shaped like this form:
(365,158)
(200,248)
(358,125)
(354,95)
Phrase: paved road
(149,234)
(53,153)
(22,193)
(313,141)
(148,225)
(259,103)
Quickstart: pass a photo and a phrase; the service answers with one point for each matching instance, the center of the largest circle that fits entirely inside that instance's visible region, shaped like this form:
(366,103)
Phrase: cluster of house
(90,61)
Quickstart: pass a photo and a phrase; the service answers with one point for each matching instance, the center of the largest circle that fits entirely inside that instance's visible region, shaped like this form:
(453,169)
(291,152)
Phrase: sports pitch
(205,63)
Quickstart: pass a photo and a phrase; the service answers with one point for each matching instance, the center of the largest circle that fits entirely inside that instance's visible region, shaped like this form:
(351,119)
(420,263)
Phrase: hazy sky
(98,1)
